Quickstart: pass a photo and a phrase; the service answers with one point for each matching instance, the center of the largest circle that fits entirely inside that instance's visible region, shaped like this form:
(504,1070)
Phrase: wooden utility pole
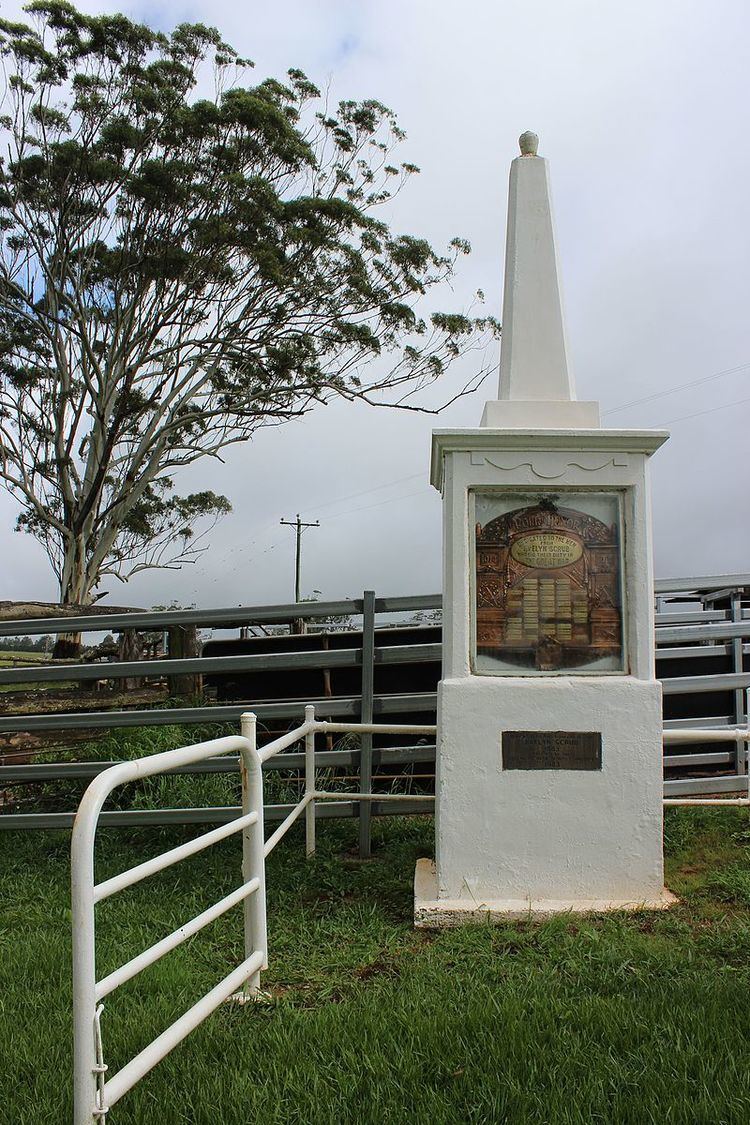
(299,527)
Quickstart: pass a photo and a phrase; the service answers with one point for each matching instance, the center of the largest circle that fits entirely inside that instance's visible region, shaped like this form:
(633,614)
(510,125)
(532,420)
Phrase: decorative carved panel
(548,582)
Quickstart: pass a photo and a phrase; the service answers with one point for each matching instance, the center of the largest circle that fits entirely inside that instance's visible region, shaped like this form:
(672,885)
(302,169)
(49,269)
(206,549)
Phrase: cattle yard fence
(700,622)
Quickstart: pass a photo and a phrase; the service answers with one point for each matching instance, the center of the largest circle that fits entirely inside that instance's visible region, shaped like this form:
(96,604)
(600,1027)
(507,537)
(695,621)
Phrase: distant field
(11,657)
(14,659)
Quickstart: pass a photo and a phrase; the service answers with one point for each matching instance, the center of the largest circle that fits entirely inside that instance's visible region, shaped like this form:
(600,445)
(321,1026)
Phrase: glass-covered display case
(548,582)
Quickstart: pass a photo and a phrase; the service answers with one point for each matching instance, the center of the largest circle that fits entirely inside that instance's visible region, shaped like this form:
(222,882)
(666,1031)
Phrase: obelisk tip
(529,143)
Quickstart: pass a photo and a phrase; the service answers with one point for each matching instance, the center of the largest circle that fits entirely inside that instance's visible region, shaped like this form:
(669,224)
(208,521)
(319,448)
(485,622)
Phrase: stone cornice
(644,442)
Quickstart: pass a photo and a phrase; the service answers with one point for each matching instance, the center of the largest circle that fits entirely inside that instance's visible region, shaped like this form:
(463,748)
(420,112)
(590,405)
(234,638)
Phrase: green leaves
(152,515)
(453,324)
(50,118)
(177,271)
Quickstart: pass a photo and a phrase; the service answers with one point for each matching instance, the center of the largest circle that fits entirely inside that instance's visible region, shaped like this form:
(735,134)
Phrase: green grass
(13,657)
(616,1019)
(163,791)
(10,658)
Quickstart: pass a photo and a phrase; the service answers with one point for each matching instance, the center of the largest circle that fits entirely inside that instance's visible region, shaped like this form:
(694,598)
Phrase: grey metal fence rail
(716,627)
(363,707)
(708,619)
(226,618)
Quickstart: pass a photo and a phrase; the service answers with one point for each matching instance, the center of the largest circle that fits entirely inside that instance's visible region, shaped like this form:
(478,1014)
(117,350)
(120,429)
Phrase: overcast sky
(642,110)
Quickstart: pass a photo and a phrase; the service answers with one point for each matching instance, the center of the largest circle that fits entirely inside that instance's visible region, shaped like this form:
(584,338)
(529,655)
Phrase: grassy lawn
(626,1019)
(11,658)
(42,689)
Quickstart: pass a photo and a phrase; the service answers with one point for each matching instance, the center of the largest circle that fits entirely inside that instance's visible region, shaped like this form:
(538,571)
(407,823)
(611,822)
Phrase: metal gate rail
(94,1094)
(740,736)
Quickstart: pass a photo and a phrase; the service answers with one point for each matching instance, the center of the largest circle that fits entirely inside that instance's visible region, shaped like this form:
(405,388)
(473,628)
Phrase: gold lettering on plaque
(548,589)
(547,551)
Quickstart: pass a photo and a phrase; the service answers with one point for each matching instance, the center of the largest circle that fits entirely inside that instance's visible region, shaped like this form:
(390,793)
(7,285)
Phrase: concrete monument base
(508,836)
(431,912)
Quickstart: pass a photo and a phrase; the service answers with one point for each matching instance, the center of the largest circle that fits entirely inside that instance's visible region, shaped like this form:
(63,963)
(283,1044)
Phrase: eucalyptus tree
(184,258)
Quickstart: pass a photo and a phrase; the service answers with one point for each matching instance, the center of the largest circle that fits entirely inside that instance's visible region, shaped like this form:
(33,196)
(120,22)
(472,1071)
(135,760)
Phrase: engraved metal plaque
(551,750)
(548,582)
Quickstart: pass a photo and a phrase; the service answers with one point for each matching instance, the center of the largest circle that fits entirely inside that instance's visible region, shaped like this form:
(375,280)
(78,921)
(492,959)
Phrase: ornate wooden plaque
(548,583)
(551,750)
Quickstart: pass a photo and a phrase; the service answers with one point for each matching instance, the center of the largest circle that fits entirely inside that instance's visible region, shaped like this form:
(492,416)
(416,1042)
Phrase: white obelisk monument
(549,758)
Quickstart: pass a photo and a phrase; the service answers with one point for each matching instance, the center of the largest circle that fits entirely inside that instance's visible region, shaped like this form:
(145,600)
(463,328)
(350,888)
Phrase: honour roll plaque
(548,583)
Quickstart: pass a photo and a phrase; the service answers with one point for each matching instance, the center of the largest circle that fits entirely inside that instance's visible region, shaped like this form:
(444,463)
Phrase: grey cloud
(641,109)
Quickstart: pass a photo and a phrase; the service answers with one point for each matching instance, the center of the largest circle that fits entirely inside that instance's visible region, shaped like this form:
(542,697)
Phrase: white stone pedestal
(434,913)
(512,842)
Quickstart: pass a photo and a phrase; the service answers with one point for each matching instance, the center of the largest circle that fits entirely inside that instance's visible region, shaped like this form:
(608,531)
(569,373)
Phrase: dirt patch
(378,968)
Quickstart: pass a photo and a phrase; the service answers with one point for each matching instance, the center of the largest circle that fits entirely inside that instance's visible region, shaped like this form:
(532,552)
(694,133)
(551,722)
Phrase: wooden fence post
(183,643)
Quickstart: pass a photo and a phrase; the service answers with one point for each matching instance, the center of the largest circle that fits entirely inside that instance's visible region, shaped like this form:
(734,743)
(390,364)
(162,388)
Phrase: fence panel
(710,623)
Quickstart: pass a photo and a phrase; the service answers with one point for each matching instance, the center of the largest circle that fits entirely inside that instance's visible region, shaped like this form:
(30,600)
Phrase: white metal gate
(94,1092)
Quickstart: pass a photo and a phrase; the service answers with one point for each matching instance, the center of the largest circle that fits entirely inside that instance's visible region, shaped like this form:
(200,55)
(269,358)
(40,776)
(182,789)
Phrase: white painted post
(84,973)
(253,859)
(310,783)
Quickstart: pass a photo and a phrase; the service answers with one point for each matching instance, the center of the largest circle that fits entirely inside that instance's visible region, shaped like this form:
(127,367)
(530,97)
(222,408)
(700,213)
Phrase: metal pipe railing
(147,1059)
(163,716)
(174,855)
(155,952)
(287,823)
(247,662)
(681,628)
(221,618)
(233,616)
(309,781)
(274,711)
(93,1095)
(738,735)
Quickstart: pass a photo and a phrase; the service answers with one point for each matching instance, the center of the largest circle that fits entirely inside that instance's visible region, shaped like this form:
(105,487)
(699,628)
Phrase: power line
(681,387)
(253,558)
(420,492)
(367,491)
(379,504)
(243,547)
(700,413)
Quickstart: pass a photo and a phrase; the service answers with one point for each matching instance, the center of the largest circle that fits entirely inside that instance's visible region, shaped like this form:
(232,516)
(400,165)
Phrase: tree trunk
(67,646)
(130,647)
(183,643)
(75,589)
